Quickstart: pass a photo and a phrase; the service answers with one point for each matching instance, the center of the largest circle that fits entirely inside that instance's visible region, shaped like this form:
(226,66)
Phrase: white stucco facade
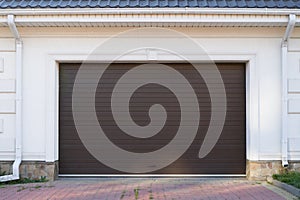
(44,48)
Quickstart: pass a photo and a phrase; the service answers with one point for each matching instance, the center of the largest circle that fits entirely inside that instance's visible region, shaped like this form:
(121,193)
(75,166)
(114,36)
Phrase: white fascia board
(150,18)
(155,16)
(164,19)
(60,11)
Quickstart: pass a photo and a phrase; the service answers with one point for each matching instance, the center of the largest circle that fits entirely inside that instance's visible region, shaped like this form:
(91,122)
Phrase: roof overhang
(165,17)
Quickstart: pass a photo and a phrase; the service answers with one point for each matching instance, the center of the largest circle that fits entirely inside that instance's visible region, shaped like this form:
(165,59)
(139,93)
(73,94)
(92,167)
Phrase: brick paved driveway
(144,188)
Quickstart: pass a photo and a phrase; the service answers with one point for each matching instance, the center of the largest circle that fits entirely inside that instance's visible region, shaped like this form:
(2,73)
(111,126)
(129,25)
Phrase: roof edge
(167,17)
(82,11)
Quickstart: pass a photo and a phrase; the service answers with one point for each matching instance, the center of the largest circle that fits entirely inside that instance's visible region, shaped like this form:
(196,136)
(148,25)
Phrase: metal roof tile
(202,3)
(241,3)
(212,3)
(280,4)
(263,4)
(232,4)
(149,3)
(222,3)
(33,3)
(106,3)
(250,4)
(144,3)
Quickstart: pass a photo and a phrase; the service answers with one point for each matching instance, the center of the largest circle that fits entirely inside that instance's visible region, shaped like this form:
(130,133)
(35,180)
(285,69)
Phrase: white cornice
(60,11)
(162,17)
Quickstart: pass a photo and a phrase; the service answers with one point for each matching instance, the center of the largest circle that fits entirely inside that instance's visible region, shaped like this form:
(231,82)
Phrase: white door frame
(52,94)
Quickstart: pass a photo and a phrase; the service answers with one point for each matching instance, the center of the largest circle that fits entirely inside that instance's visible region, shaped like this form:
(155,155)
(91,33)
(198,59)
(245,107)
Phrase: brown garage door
(227,157)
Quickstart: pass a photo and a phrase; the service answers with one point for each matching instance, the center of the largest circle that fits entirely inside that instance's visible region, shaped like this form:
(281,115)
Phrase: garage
(227,157)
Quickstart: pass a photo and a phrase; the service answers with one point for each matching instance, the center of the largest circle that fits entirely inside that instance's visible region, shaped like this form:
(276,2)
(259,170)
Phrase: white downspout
(19,121)
(284,95)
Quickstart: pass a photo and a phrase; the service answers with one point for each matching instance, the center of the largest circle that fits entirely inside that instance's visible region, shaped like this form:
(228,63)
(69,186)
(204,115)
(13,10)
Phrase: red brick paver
(141,188)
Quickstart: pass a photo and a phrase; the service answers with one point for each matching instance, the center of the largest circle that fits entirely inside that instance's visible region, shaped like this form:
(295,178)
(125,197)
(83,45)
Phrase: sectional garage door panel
(227,157)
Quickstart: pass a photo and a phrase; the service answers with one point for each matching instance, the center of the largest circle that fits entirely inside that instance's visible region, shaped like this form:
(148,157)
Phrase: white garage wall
(261,43)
